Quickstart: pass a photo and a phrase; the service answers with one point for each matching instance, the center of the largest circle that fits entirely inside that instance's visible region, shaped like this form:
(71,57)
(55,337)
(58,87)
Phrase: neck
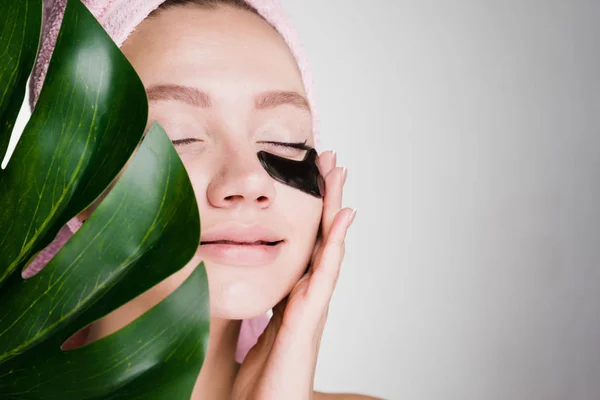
(219,368)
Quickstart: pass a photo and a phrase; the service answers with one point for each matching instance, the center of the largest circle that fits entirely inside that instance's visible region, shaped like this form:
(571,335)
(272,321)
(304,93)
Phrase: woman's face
(224,85)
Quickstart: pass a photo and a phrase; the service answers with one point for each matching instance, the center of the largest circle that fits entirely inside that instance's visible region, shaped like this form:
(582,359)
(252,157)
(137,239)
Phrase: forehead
(212,48)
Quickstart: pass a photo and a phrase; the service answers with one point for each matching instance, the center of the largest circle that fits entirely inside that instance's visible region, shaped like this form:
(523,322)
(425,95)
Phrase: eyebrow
(277,98)
(182,94)
(198,98)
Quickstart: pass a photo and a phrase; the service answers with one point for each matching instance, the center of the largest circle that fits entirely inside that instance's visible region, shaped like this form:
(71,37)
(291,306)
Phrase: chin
(237,301)
(244,293)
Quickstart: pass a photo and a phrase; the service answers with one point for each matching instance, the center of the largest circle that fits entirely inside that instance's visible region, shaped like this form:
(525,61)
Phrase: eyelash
(183,142)
(297,145)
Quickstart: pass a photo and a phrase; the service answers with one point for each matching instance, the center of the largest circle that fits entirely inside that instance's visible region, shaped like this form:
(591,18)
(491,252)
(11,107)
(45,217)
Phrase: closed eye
(291,150)
(293,145)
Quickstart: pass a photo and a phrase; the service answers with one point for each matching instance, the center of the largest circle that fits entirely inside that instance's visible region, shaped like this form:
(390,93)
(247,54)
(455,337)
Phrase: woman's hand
(282,364)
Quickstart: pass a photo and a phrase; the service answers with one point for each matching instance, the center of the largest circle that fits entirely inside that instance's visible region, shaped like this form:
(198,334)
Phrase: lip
(236,232)
(241,245)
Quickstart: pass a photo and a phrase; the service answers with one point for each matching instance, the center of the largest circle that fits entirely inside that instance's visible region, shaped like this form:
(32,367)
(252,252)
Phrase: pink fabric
(48,253)
(120,18)
(249,334)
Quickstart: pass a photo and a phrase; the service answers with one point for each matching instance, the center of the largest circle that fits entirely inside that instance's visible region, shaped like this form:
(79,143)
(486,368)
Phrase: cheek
(308,218)
(303,214)
(200,178)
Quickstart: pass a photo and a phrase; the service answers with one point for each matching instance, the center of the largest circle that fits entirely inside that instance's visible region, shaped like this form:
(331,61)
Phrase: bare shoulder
(342,396)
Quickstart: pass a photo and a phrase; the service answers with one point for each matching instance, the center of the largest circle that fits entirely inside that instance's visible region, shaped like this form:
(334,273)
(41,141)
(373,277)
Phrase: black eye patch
(303,175)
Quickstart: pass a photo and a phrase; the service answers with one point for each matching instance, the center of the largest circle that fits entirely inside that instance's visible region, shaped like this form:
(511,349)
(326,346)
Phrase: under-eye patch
(303,175)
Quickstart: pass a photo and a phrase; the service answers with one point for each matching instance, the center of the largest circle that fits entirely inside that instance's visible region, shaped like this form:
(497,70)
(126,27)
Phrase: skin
(188,45)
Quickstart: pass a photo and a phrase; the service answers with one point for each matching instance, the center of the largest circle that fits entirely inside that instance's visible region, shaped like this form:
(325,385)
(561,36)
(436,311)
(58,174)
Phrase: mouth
(236,243)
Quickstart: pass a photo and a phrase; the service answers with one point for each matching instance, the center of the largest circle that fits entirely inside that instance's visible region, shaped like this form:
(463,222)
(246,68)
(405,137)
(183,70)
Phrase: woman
(224,84)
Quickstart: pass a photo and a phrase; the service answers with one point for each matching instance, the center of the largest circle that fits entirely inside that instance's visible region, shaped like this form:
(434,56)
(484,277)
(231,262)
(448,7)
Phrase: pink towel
(120,18)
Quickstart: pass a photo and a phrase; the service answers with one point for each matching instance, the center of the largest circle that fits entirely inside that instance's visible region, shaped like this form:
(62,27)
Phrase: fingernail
(344,174)
(352,216)
(334,156)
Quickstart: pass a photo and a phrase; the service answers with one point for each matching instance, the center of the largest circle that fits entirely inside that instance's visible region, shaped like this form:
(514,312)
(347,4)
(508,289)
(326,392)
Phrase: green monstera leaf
(87,125)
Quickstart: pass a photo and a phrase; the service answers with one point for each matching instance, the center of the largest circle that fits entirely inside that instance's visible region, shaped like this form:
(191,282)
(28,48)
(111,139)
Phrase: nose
(241,181)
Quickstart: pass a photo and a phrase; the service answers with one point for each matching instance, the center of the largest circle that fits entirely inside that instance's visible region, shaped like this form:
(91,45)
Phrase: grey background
(471,130)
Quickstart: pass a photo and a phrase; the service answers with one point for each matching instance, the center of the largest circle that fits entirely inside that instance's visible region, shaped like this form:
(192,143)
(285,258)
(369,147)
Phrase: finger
(332,202)
(327,266)
(326,162)
(315,251)
(259,353)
